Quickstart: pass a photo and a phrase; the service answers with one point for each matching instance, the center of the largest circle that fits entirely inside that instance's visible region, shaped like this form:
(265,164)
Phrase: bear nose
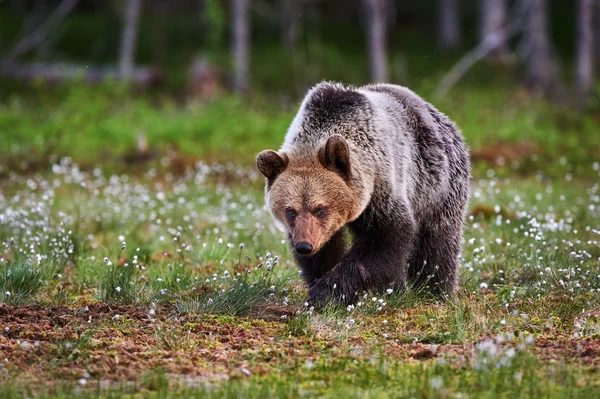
(303,248)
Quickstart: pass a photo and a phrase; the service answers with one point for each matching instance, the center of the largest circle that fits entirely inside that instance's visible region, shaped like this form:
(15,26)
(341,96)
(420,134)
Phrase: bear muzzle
(303,248)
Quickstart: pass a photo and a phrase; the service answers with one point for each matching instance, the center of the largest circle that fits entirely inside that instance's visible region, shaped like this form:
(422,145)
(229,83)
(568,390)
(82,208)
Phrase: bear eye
(320,212)
(291,213)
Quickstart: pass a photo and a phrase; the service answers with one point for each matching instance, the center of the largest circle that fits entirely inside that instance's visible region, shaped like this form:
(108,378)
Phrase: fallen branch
(482,50)
(53,73)
(41,32)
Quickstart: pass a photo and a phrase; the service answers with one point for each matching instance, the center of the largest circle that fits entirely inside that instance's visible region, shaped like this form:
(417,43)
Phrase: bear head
(312,196)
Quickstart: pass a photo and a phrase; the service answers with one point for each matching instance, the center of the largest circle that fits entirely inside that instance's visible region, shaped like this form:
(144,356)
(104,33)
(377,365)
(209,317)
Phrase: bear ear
(271,164)
(335,155)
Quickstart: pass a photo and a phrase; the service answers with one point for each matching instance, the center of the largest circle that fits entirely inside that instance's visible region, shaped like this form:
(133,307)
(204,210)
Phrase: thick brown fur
(381,164)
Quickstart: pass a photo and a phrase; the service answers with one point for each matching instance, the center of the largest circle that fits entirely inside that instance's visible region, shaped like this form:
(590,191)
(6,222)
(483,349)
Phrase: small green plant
(20,282)
(119,285)
(174,339)
(298,325)
(236,294)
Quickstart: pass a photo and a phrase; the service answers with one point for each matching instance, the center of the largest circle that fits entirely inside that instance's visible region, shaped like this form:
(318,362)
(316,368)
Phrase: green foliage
(101,125)
(90,125)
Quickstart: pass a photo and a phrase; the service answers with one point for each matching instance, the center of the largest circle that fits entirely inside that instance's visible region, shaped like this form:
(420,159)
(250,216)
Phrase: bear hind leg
(434,263)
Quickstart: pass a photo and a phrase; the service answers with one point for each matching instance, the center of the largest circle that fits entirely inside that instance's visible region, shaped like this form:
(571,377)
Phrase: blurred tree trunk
(448,23)
(18,5)
(596,23)
(290,23)
(159,30)
(240,46)
(128,39)
(540,66)
(291,18)
(493,19)
(584,62)
(376,39)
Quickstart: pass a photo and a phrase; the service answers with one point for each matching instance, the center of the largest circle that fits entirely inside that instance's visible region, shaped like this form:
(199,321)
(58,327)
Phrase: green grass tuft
(20,282)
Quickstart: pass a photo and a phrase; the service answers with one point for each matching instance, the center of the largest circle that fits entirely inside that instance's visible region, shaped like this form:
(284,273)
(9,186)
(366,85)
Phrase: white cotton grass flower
(436,382)
(529,340)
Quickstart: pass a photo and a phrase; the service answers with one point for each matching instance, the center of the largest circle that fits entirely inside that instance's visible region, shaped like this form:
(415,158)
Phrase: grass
(20,282)
(188,274)
(522,376)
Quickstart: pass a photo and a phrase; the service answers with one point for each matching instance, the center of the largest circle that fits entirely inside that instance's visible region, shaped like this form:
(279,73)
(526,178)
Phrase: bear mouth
(305,254)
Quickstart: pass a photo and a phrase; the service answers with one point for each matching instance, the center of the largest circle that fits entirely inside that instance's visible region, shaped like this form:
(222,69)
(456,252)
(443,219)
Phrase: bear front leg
(377,260)
(314,267)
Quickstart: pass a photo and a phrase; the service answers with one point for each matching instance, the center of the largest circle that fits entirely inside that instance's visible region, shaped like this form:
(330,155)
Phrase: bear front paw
(319,293)
(330,288)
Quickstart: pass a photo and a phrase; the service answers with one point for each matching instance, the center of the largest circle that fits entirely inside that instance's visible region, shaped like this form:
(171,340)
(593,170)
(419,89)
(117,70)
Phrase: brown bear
(379,164)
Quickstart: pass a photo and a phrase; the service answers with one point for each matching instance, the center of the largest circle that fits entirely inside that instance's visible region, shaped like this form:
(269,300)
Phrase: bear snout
(303,248)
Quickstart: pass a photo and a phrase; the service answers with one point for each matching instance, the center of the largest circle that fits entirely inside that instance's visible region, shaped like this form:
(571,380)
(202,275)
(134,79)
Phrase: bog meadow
(138,258)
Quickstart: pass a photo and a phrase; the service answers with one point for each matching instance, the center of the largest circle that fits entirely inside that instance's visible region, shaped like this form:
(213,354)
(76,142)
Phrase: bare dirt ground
(122,342)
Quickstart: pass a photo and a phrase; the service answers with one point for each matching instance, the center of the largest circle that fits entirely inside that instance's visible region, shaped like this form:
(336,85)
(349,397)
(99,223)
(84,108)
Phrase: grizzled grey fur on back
(412,170)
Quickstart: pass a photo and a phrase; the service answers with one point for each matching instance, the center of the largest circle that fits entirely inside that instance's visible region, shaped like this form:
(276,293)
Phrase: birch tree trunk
(596,23)
(127,52)
(540,67)
(159,28)
(584,62)
(493,20)
(240,46)
(290,23)
(377,40)
(448,24)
